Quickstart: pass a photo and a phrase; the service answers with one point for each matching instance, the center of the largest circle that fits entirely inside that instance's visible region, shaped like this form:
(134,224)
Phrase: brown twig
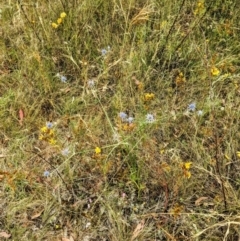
(71,192)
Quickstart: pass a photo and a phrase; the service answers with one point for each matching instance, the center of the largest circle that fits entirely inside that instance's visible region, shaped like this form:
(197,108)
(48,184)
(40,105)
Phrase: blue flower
(46,173)
(65,151)
(91,83)
(105,51)
(192,106)
(63,78)
(49,125)
(130,119)
(150,118)
(200,113)
(123,116)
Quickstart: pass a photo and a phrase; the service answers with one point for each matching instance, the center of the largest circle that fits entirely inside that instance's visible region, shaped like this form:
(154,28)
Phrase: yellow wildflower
(52,141)
(185,167)
(200,8)
(215,71)
(176,210)
(63,15)
(148,96)
(238,153)
(163,24)
(98,150)
(54,25)
(44,129)
(162,151)
(59,20)
(187,174)
(51,132)
(180,79)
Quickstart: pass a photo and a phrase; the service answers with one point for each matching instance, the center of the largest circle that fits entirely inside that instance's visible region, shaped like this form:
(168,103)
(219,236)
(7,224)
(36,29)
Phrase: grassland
(119,120)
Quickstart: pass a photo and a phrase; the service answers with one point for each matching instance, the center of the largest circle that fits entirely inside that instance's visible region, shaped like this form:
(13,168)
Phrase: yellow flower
(59,20)
(162,151)
(63,15)
(180,79)
(44,129)
(98,150)
(187,174)
(164,24)
(51,133)
(187,165)
(176,210)
(200,8)
(52,141)
(215,71)
(238,153)
(148,96)
(54,25)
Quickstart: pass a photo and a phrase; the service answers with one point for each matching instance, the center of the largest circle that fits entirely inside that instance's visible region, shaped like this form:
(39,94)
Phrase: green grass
(162,57)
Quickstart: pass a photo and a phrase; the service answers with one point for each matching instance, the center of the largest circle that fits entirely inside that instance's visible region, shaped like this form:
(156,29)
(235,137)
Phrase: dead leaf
(68,239)
(137,230)
(5,235)
(65,90)
(21,116)
(37,214)
(105,88)
(199,200)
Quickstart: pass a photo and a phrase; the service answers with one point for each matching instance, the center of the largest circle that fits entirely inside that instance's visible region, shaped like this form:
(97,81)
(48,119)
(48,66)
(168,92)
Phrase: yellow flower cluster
(47,134)
(149,97)
(185,167)
(180,79)
(59,20)
(200,8)
(176,210)
(215,71)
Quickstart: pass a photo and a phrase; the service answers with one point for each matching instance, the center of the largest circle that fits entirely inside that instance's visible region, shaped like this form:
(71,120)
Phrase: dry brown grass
(169,173)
